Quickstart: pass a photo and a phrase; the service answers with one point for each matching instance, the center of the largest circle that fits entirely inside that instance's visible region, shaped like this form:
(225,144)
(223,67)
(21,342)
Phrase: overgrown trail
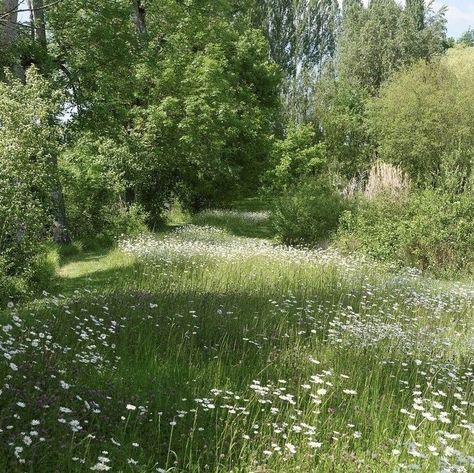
(202,349)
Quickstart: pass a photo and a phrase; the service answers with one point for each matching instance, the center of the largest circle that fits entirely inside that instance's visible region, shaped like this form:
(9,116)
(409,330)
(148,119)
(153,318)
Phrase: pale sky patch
(460,14)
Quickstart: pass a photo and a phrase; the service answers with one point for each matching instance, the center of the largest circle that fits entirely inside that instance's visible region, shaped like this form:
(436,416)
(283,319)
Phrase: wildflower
(291,448)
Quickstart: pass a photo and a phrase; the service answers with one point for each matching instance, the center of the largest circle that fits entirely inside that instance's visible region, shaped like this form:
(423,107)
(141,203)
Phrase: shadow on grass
(102,269)
(248,217)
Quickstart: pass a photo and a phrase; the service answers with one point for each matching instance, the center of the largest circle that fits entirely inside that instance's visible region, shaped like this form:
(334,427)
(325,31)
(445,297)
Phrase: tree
(39,24)
(207,128)
(423,120)
(302,37)
(140,17)
(416,10)
(29,144)
(9,54)
(467,38)
(8,22)
(376,41)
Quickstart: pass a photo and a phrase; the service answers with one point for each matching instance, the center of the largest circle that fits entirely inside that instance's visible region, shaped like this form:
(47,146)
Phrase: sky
(460,15)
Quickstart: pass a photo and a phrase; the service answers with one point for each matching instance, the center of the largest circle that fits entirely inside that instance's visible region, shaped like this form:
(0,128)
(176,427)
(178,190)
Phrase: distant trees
(467,38)
(374,42)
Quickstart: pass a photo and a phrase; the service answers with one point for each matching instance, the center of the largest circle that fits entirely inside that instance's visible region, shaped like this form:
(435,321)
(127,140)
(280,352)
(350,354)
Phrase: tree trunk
(9,31)
(39,24)
(60,228)
(8,21)
(140,17)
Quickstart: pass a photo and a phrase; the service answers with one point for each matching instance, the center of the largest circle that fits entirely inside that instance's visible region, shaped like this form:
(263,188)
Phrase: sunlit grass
(200,351)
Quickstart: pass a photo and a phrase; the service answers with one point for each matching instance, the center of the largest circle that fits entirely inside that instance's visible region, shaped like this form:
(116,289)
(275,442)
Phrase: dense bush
(309,214)
(94,191)
(296,157)
(432,230)
(29,141)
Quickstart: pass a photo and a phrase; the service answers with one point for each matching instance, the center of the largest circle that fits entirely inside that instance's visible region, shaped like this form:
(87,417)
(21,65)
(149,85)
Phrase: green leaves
(423,120)
(29,144)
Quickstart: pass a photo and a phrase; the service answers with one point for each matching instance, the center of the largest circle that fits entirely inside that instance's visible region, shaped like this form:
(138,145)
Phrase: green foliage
(95,50)
(94,190)
(376,41)
(309,214)
(296,157)
(467,38)
(301,34)
(339,114)
(29,143)
(423,119)
(432,231)
(373,227)
(208,128)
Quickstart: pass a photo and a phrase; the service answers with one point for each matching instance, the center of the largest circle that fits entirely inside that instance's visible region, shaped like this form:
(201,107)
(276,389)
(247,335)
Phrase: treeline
(112,111)
(383,163)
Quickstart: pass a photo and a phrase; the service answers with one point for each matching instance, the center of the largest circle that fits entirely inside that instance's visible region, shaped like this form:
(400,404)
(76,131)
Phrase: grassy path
(203,349)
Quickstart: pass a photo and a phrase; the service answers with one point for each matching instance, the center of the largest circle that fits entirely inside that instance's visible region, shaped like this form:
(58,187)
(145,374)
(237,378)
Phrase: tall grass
(199,351)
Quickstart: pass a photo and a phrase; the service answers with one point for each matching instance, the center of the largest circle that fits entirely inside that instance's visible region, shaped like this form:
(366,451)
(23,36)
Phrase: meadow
(210,348)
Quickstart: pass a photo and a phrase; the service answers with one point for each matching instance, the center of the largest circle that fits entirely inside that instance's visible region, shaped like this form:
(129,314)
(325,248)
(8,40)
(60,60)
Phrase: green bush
(94,191)
(432,230)
(35,276)
(439,232)
(373,226)
(309,215)
(29,141)
(297,157)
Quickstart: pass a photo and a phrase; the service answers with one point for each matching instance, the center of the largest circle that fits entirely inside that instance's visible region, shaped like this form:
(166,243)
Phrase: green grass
(224,348)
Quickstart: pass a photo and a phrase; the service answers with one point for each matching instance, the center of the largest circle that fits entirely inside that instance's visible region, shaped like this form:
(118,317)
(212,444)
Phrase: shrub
(295,158)
(422,119)
(439,232)
(309,215)
(372,226)
(94,191)
(29,141)
(432,230)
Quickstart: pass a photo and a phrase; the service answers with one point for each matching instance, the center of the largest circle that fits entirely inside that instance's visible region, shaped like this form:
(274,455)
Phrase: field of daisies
(197,350)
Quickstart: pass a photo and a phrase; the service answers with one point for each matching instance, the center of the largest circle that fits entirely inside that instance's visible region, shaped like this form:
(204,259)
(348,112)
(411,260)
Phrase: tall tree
(376,41)
(38,19)
(416,10)
(301,33)
(8,37)
(8,22)
(60,227)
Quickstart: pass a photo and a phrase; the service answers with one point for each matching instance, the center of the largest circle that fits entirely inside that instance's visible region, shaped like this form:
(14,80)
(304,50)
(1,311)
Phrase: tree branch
(18,10)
